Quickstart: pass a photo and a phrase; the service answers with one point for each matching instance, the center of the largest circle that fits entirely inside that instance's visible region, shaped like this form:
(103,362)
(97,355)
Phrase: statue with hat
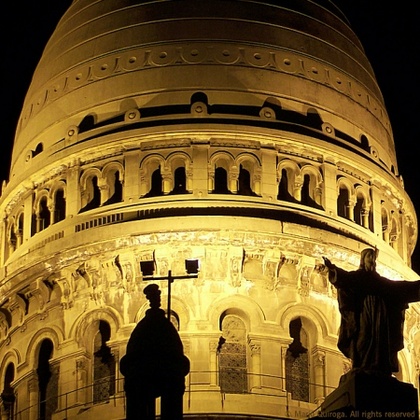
(154,364)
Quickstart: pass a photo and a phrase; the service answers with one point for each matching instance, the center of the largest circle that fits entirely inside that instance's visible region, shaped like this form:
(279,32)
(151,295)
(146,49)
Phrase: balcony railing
(264,396)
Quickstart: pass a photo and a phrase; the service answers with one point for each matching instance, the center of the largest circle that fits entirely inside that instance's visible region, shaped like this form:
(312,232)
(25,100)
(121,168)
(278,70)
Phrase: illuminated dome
(104,59)
(250,136)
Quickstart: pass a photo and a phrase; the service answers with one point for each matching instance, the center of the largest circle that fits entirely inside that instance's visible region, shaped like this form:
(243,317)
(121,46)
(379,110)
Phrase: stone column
(73,194)
(33,397)
(211,181)
(255,347)
(104,190)
(118,382)
(318,362)
(167,180)
(350,209)
(365,217)
(269,185)
(330,195)
(132,186)
(404,238)
(297,188)
(3,244)
(82,363)
(257,184)
(233,178)
(189,181)
(283,350)
(376,208)
(214,366)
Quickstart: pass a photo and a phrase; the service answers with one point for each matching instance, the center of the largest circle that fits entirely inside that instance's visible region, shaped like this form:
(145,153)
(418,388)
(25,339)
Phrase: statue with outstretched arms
(372,313)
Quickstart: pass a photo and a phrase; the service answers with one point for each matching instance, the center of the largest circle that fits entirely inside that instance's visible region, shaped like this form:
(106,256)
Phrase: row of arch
(301,183)
(46,377)
(233,367)
(298,362)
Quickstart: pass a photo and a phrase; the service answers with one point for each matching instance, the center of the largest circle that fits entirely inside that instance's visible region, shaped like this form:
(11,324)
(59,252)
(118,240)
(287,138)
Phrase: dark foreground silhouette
(154,365)
(372,314)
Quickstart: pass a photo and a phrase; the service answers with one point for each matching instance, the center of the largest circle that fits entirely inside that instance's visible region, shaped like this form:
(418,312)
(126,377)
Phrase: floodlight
(147,268)
(192,266)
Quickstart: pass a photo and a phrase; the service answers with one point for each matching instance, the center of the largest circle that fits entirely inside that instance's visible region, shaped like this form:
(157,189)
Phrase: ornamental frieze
(203,54)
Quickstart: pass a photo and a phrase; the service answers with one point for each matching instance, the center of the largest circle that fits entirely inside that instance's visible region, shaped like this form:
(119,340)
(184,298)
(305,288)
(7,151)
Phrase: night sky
(390,36)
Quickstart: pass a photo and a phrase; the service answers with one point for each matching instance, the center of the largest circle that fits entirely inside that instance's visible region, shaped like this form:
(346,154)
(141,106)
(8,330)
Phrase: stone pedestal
(362,395)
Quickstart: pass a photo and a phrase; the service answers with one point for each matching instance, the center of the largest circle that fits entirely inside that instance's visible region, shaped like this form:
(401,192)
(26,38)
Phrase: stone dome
(106,58)
(247,136)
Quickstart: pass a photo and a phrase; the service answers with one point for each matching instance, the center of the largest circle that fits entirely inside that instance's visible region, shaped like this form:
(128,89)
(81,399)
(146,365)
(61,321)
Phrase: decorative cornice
(226,54)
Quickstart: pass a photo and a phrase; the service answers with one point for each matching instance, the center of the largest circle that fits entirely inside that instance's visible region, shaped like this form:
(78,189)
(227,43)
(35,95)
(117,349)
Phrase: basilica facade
(250,137)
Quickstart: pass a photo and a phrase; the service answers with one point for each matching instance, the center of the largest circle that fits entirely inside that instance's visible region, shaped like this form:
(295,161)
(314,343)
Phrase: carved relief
(5,323)
(65,283)
(18,307)
(271,269)
(288,271)
(235,270)
(255,347)
(217,260)
(304,282)
(38,290)
(318,279)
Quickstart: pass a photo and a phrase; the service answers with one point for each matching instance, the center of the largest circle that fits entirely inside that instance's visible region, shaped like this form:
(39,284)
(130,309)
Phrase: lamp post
(192,267)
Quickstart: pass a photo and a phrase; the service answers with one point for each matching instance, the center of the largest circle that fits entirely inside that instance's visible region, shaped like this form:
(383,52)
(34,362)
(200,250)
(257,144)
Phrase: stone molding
(276,60)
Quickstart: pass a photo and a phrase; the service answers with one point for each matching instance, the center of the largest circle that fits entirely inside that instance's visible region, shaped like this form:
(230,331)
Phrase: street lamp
(147,268)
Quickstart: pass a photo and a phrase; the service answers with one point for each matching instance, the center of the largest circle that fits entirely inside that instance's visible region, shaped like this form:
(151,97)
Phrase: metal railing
(198,384)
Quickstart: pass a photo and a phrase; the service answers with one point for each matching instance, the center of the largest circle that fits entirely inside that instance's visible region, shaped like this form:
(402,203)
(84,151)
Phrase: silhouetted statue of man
(154,365)
(372,314)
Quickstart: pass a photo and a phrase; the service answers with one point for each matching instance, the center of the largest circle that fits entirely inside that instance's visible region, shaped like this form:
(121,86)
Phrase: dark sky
(391,38)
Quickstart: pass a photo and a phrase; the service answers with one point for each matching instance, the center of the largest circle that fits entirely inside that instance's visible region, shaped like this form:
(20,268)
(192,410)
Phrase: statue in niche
(372,311)
(154,365)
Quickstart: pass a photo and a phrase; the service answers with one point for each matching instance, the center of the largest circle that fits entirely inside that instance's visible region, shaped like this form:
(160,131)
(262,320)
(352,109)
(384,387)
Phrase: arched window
(233,356)
(244,182)
(394,233)
(314,119)
(306,194)
(343,202)
(12,238)
(59,206)
(19,232)
(93,194)
(115,189)
(221,181)
(385,224)
(103,365)
(364,143)
(358,209)
(38,149)
(310,195)
(297,362)
(44,215)
(8,395)
(283,190)
(180,181)
(47,381)
(156,184)
(33,224)
(87,123)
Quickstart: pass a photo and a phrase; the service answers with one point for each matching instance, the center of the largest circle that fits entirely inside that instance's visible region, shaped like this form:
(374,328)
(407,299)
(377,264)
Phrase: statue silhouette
(154,365)
(372,314)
